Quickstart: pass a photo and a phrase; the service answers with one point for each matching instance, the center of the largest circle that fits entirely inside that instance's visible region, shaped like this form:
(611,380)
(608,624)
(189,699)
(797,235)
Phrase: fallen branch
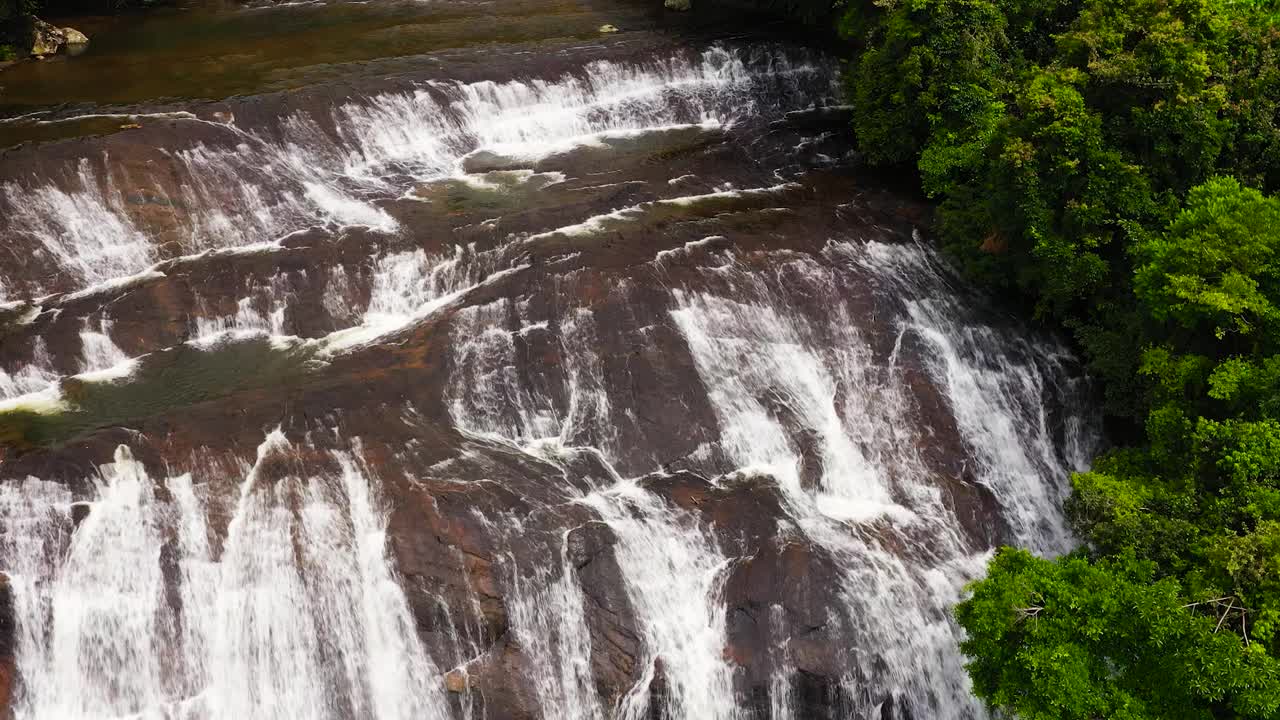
(1225,613)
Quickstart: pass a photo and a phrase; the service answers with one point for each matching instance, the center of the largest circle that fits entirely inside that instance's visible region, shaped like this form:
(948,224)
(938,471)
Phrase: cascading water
(261,631)
(84,228)
(32,377)
(591,389)
(100,352)
(322,168)
(548,617)
(673,574)
(756,351)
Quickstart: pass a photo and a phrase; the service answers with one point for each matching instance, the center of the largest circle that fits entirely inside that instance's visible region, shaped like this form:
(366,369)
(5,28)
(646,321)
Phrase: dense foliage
(1116,161)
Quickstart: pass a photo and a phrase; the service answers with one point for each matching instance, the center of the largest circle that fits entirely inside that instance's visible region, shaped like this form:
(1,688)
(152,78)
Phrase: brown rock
(45,39)
(787,592)
(588,541)
(79,511)
(74,37)
(457,680)
(615,639)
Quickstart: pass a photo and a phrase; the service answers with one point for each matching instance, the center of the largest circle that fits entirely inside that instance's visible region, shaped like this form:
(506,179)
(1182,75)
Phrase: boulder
(611,621)
(456,680)
(75,37)
(40,39)
(77,42)
(678,5)
(79,511)
(785,596)
(608,28)
(45,39)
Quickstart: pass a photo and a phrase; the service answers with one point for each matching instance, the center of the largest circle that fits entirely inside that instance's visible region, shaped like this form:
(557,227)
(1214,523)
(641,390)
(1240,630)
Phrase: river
(458,360)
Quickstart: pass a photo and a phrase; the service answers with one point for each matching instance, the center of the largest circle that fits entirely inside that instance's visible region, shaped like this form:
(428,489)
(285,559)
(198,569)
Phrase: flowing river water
(450,360)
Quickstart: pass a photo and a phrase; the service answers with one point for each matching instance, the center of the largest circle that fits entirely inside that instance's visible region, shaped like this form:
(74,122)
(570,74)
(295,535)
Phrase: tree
(1075,640)
(1214,275)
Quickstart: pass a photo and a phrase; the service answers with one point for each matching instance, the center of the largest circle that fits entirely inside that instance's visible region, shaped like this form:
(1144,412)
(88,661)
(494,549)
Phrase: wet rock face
(8,648)
(615,641)
(605,393)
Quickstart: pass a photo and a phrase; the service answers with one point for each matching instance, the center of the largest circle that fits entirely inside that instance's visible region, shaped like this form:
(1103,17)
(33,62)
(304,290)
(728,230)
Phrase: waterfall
(769,368)
(581,383)
(750,355)
(100,351)
(33,377)
(261,631)
(262,311)
(673,573)
(995,380)
(83,226)
(548,617)
(487,396)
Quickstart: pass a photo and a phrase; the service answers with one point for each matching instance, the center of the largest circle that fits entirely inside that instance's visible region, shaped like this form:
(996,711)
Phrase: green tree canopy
(1114,161)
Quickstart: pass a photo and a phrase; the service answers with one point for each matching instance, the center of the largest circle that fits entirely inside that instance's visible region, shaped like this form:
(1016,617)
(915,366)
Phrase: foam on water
(662,209)
(344,210)
(400,300)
